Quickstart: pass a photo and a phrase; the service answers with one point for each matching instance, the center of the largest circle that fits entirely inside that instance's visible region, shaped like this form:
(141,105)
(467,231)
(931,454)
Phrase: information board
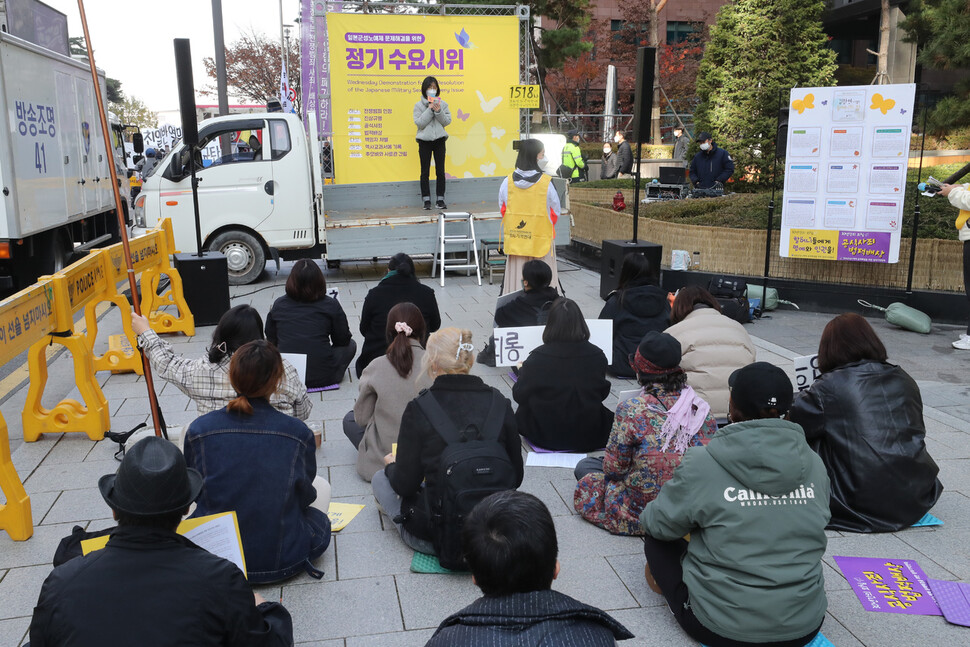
(845,172)
(377,65)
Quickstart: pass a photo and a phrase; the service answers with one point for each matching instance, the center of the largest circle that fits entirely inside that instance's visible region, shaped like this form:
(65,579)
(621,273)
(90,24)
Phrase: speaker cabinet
(183,69)
(643,103)
(613,253)
(205,284)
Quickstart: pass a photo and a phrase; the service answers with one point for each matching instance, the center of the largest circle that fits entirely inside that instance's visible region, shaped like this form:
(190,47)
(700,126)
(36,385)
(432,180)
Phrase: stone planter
(939,263)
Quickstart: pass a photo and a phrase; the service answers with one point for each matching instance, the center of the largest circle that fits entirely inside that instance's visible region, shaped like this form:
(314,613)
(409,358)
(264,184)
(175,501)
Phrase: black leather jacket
(865,420)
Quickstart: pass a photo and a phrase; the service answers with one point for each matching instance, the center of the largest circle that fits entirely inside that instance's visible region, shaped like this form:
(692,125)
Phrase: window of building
(679,31)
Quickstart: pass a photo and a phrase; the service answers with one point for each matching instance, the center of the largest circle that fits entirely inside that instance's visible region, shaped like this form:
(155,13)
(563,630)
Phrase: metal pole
(636,192)
(132,283)
(916,214)
(771,204)
(220,44)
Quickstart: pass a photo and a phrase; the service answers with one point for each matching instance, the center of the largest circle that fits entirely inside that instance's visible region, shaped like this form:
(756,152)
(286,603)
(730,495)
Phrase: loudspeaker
(613,253)
(643,104)
(781,140)
(205,285)
(183,68)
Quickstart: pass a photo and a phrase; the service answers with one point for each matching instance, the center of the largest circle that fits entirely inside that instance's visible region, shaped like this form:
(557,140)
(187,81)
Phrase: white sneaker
(963,343)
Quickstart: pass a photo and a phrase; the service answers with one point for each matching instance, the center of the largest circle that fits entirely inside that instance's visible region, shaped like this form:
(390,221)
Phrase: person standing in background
(711,165)
(572,158)
(959,197)
(611,163)
(681,142)
(431,115)
(625,166)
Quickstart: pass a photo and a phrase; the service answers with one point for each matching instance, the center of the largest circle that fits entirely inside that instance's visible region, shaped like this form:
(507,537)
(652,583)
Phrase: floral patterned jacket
(634,468)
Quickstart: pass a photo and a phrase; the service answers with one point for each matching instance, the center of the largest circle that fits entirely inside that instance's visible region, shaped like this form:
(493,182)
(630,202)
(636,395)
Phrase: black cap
(658,353)
(760,386)
(152,479)
(704,136)
(572,133)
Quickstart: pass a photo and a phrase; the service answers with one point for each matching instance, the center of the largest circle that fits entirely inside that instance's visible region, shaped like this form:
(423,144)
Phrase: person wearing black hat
(573,162)
(150,585)
(711,165)
(648,439)
(755,503)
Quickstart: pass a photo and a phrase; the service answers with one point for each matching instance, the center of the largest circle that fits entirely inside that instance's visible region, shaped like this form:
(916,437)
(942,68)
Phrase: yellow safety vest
(526,227)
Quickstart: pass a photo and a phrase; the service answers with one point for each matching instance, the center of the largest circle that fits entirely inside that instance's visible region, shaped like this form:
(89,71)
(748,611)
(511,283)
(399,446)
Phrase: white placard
(806,371)
(513,345)
(298,360)
(561,459)
(851,188)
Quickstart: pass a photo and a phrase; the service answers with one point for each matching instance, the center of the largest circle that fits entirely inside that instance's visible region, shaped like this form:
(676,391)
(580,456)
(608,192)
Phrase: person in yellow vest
(959,197)
(134,184)
(572,158)
(530,208)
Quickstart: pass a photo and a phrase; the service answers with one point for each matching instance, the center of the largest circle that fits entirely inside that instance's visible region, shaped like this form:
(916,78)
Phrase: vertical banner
(310,68)
(377,64)
(845,172)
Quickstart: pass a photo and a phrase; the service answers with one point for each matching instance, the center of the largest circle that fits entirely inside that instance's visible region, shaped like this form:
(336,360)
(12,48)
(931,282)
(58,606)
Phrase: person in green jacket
(572,158)
(755,504)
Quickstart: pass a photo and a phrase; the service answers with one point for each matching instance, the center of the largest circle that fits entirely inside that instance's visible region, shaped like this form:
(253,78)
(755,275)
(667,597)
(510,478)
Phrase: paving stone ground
(368,597)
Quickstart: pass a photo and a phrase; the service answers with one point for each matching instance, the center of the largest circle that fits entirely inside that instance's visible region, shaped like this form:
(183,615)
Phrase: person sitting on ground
(262,464)
(864,418)
(148,581)
(398,285)
(528,308)
(637,306)
(510,543)
(562,385)
(651,433)
(713,346)
(403,488)
(206,380)
(755,503)
(307,321)
(386,386)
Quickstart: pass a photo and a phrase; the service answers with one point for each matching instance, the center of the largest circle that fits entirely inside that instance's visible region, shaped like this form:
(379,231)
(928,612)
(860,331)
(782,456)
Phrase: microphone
(933,186)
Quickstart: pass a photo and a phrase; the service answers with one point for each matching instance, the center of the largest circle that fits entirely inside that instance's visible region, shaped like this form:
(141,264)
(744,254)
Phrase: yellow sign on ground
(524,96)
(377,65)
(814,243)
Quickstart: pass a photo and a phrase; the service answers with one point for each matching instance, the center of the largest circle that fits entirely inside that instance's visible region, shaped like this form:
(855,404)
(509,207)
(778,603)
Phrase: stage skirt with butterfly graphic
(530,208)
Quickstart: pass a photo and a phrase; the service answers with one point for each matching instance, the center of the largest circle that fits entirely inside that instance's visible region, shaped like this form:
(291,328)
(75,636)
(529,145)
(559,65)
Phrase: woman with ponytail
(386,386)
(262,464)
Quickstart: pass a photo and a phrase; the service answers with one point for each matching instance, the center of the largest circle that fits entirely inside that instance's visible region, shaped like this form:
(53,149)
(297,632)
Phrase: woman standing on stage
(431,115)
(530,208)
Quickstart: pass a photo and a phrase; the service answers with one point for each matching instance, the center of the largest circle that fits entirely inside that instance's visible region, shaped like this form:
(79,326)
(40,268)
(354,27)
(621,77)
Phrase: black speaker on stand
(613,251)
(205,275)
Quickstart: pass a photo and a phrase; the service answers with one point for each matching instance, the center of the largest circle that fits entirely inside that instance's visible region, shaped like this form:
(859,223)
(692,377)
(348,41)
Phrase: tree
(134,112)
(253,68)
(557,42)
(941,29)
(571,84)
(76,47)
(758,51)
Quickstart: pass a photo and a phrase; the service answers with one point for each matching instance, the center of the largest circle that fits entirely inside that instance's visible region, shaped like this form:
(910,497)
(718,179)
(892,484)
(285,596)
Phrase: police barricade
(85,284)
(26,318)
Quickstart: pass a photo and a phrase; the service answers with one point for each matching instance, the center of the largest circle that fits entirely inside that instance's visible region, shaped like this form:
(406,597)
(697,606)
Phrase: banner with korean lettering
(845,172)
(377,64)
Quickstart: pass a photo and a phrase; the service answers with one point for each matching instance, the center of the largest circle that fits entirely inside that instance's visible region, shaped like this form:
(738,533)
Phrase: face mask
(705,146)
(616,138)
(607,151)
(431,93)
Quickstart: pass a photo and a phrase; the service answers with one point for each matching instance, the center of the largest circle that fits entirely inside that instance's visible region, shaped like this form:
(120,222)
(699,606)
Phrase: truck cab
(256,191)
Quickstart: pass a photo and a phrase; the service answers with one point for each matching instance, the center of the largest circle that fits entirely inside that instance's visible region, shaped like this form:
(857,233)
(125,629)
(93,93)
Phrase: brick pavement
(369,597)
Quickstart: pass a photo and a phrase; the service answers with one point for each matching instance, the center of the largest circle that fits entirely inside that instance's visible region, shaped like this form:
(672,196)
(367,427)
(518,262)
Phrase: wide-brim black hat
(152,479)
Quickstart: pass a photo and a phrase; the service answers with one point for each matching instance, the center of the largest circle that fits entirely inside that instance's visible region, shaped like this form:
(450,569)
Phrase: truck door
(232,183)
(89,128)
(70,141)
(291,223)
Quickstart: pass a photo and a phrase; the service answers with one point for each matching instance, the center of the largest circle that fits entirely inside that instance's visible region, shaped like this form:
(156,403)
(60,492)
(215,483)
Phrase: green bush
(957,139)
(594,150)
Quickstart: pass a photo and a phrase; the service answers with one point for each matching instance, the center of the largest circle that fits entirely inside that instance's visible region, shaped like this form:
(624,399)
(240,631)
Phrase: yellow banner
(814,243)
(377,64)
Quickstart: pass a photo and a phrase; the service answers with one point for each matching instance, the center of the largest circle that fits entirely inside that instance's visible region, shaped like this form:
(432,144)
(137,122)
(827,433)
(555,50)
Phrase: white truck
(57,195)
(270,201)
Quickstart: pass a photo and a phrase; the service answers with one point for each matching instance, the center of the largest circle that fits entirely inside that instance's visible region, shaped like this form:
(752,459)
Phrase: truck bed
(382,219)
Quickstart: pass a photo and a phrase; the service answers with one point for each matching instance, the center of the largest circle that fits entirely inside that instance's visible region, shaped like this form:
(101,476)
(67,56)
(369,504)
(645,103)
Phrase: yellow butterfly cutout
(883,105)
(801,105)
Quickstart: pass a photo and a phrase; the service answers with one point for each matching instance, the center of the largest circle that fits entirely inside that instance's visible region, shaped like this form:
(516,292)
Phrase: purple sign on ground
(889,585)
(865,246)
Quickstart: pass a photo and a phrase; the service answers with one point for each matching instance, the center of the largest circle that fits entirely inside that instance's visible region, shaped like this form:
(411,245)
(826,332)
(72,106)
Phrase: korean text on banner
(845,172)
(377,65)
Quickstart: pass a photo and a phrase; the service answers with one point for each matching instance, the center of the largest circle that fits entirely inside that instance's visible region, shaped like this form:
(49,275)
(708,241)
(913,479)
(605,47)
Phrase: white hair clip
(463,346)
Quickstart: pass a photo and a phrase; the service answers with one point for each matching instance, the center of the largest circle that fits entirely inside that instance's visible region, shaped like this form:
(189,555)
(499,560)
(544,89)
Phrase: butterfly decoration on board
(825,103)
(463,115)
(806,103)
(487,105)
(464,39)
(881,104)
(902,111)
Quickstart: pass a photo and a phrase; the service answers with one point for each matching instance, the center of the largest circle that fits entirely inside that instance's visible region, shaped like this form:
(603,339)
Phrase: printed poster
(377,64)
(844,198)
(889,585)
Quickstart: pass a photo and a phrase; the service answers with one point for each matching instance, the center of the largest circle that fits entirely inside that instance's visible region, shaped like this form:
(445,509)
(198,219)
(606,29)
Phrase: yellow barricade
(25,319)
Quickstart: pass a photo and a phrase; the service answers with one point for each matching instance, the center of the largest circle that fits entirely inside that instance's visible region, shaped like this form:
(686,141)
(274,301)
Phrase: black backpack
(473,465)
(730,293)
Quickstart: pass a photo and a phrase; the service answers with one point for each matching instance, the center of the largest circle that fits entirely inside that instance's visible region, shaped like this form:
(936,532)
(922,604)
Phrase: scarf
(684,420)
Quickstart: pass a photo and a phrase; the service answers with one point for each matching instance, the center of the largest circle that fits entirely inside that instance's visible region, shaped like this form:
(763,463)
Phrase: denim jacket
(261,466)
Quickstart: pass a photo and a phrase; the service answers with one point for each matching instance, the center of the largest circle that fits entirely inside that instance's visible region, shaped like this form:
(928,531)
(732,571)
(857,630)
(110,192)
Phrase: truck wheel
(244,255)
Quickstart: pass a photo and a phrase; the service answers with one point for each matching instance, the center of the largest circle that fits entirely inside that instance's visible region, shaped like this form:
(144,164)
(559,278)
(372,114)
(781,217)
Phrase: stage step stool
(464,239)
(492,264)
